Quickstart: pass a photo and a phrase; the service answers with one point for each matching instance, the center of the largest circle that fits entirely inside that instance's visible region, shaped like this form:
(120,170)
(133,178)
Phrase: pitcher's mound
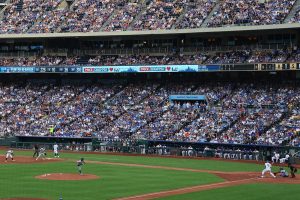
(67,177)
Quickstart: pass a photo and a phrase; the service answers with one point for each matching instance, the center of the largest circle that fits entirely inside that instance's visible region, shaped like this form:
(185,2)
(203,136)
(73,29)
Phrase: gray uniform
(42,154)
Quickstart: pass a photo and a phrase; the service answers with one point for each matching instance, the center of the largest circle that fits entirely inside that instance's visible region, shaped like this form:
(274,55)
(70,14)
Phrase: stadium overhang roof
(153,32)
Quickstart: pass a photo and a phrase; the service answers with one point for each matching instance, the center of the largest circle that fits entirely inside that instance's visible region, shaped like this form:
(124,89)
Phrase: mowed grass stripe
(115,182)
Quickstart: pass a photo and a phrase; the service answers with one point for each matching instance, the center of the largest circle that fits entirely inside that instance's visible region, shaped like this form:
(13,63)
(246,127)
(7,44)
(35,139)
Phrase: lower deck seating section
(208,126)
(135,105)
(91,114)
(287,129)
(240,113)
(48,107)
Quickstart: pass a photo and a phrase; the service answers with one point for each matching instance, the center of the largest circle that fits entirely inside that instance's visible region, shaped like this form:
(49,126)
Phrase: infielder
(80,163)
(42,153)
(268,167)
(55,150)
(9,154)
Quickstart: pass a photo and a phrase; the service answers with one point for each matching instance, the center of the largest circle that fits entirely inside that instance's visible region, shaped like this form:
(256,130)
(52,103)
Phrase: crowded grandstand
(41,16)
(262,108)
(235,113)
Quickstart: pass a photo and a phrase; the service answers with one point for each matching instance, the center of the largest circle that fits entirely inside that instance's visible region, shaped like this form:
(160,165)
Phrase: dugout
(67,143)
(88,146)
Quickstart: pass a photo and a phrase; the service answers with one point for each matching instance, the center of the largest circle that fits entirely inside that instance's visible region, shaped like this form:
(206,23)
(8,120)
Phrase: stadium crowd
(235,113)
(296,17)
(41,16)
(230,57)
(123,17)
(232,113)
(252,12)
(159,15)
(19,16)
(196,12)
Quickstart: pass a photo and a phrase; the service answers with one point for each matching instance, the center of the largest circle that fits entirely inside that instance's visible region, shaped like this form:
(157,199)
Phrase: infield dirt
(67,177)
(27,160)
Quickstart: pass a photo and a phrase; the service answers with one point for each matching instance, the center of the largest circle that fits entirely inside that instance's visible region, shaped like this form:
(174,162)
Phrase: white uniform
(268,167)
(285,159)
(239,154)
(9,154)
(55,150)
(159,149)
(276,157)
(256,154)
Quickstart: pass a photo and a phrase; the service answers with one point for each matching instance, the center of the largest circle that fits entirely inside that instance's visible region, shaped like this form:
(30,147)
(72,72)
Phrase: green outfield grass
(115,181)
(244,192)
(17,180)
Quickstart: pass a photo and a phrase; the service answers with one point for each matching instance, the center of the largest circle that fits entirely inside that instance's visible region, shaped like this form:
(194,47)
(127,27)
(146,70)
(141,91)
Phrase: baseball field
(138,177)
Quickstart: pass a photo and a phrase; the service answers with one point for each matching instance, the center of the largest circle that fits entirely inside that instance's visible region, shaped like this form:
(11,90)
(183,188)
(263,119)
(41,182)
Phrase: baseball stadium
(149,99)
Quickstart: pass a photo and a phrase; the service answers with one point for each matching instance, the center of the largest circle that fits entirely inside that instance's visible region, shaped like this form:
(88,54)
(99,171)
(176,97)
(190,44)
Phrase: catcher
(282,173)
(80,163)
(293,170)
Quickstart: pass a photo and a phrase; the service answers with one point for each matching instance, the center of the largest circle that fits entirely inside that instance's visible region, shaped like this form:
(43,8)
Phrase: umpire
(293,170)
(36,151)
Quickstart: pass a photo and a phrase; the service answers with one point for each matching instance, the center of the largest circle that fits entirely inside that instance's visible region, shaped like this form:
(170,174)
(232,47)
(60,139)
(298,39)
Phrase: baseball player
(80,163)
(9,154)
(276,157)
(268,167)
(256,154)
(42,153)
(36,151)
(282,172)
(293,170)
(238,154)
(55,150)
(190,151)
